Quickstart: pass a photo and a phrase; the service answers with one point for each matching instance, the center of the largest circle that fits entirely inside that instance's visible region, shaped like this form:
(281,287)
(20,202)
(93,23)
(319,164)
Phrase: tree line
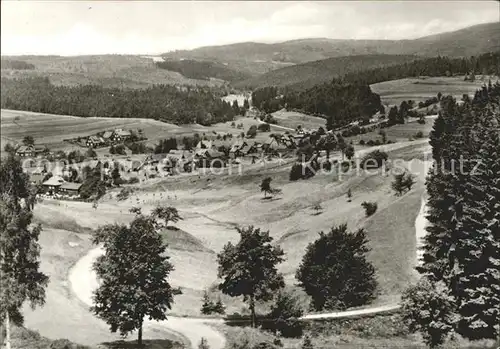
(459,291)
(349,97)
(202,70)
(15,64)
(178,105)
(486,64)
(338,102)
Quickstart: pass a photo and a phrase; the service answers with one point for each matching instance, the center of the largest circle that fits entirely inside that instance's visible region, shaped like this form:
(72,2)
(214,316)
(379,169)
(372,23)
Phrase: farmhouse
(94,141)
(121,135)
(236,149)
(204,144)
(53,184)
(72,189)
(106,136)
(26,151)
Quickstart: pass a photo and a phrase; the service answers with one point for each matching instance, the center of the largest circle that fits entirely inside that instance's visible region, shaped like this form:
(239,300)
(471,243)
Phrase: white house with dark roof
(53,184)
(121,135)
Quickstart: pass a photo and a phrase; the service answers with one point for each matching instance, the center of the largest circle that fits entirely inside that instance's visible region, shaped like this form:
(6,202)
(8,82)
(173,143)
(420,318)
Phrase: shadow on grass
(270,198)
(146,344)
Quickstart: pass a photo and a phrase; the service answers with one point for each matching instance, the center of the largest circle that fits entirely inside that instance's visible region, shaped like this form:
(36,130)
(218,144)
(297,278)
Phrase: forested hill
(372,69)
(306,75)
(203,70)
(178,105)
(485,64)
(471,41)
(338,102)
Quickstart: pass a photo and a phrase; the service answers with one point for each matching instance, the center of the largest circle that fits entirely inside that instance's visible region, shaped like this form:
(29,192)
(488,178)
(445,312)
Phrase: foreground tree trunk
(252,310)
(7,330)
(139,336)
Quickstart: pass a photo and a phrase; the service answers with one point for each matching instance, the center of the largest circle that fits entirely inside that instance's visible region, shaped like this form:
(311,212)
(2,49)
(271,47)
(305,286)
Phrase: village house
(210,157)
(204,144)
(52,185)
(121,135)
(26,151)
(72,189)
(107,136)
(235,150)
(94,142)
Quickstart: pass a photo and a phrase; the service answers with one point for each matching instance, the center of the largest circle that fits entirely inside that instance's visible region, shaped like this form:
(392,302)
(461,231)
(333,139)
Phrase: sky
(152,27)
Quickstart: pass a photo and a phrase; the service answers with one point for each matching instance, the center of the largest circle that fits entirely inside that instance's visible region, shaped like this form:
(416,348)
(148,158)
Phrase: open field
(293,119)
(420,89)
(104,70)
(213,205)
(397,133)
(51,130)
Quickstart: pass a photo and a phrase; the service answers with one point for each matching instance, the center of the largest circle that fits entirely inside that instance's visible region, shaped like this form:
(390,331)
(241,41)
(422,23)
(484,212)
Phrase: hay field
(293,119)
(51,130)
(419,89)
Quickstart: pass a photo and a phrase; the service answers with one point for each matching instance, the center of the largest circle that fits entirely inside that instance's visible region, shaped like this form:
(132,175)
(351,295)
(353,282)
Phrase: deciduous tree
(20,277)
(133,272)
(335,272)
(249,268)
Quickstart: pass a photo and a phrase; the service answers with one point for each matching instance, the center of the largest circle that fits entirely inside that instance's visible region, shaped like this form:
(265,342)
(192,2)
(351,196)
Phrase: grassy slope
(212,206)
(293,119)
(51,129)
(308,74)
(419,89)
(105,70)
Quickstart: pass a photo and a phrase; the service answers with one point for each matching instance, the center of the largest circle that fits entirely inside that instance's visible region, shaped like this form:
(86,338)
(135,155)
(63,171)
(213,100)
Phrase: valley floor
(212,206)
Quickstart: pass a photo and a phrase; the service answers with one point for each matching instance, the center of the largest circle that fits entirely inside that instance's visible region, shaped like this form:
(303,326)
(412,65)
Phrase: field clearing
(420,89)
(293,119)
(51,130)
(397,133)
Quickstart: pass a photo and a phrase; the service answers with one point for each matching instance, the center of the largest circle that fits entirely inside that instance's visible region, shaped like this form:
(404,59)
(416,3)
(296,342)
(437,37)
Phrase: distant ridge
(468,41)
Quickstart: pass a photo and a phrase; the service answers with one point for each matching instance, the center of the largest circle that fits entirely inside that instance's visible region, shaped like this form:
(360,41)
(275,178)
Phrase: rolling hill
(308,74)
(469,41)
(203,70)
(111,71)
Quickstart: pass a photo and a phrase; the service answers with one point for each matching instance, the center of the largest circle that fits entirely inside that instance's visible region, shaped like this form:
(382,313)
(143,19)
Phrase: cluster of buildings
(108,138)
(30,151)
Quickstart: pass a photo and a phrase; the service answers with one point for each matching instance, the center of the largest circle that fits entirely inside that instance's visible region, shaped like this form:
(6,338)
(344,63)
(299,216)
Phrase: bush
(284,316)
(296,172)
(124,194)
(335,272)
(419,134)
(375,159)
(362,142)
(133,180)
(370,207)
(252,131)
(264,127)
(428,308)
(402,182)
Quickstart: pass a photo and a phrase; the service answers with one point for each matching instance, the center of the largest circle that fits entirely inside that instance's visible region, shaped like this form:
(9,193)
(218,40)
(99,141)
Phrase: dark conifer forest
(178,105)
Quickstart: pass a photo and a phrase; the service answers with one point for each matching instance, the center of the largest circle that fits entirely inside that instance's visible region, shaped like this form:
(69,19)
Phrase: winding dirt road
(83,282)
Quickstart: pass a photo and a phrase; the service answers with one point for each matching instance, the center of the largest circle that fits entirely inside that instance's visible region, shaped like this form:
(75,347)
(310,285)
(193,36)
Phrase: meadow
(419,89)
(51,130)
